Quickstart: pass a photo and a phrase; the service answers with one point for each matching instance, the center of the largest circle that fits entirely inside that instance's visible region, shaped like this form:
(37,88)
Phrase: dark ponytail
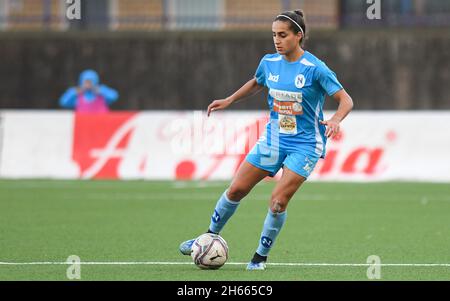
(300,13)
(298,17)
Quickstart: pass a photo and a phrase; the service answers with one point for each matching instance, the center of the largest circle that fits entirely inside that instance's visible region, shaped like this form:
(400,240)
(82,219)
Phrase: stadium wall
(381,69)
(185,145)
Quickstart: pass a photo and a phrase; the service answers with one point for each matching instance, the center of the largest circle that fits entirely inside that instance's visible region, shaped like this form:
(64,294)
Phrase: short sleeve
(328,80)
(260,74)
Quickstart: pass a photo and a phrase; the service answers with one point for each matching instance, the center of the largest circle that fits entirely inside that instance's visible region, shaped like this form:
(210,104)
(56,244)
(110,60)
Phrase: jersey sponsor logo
(297,107)
(300,81)
(287,104)
(286,95)
(288,124)
(287,107)
(274,78)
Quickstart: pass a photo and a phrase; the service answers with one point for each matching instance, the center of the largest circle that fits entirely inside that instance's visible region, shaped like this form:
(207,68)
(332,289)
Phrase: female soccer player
(296,135)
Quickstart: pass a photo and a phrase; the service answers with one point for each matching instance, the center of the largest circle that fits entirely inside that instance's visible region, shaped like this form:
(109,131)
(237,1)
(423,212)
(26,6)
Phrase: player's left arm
(345,106)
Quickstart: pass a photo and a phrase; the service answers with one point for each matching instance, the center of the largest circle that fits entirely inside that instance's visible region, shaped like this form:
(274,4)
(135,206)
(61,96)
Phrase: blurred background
(169,58)
(168,54)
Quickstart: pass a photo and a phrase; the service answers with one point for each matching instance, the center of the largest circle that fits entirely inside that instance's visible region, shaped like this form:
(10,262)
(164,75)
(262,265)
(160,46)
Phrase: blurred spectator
(89,96)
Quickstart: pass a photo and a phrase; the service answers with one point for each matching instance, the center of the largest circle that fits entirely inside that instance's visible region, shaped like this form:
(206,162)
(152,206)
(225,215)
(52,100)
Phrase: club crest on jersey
(300,81)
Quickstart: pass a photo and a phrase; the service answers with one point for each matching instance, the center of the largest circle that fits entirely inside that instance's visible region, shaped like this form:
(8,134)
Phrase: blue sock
(223,211)
(272,226)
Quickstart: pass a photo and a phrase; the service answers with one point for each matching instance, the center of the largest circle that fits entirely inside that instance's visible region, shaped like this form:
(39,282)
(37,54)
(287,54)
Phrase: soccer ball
(209,251)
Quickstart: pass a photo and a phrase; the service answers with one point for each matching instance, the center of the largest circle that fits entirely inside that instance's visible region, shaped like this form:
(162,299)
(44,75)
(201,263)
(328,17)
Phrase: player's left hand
(332,128)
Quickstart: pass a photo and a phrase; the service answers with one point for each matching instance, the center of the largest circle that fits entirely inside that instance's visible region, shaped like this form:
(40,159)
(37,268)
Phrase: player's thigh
(285,188)
(245,179)
(296,169)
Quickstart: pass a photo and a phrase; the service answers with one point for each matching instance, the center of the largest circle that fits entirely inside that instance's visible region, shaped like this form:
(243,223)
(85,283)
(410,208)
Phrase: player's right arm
(248,89)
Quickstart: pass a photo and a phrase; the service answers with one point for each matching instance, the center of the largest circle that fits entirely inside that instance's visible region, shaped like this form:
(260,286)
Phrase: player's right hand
(218,104)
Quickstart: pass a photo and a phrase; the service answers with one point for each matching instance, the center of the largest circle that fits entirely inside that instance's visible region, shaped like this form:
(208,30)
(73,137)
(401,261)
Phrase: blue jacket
(69,98)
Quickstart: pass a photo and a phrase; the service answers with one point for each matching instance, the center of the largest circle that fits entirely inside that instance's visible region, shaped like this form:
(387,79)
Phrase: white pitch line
(230,263)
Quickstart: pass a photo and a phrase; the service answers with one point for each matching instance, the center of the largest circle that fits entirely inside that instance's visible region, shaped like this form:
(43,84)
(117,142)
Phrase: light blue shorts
(301,161)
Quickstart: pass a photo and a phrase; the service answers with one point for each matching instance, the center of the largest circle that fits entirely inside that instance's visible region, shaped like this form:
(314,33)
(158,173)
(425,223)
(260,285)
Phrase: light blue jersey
(296,96)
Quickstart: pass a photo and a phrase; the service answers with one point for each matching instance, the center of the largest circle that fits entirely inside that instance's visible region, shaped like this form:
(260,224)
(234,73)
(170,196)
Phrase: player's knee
(236,193)
(277,206)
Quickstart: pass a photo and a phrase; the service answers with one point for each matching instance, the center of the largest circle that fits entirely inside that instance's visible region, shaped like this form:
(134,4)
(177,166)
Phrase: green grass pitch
(144,221)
